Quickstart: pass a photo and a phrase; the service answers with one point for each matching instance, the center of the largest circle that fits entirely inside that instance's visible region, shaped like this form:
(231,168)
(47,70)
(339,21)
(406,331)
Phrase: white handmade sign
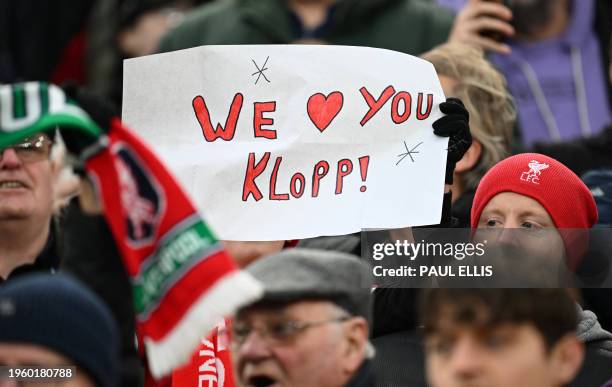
(288,142)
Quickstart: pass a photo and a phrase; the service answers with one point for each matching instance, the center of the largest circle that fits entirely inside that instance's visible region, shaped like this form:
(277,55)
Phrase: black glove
(455,125)
(98,108)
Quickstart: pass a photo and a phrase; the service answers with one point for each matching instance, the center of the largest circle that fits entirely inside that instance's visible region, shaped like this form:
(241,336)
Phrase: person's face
(16,355)
(27,177)
(507,355)
(268,349)
(522,236)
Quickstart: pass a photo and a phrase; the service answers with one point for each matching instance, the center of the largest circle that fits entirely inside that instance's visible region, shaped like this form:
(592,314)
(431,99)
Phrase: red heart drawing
(322,110)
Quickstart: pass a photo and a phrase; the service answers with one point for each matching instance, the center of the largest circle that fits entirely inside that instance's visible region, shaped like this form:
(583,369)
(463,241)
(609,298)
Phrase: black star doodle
(260,71)
(409,152)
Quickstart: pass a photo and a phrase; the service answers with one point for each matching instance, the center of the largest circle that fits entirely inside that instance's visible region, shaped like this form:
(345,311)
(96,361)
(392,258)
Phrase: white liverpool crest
(535,170)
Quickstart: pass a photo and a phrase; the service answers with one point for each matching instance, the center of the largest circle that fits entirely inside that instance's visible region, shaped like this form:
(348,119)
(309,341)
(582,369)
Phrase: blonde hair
(483,91)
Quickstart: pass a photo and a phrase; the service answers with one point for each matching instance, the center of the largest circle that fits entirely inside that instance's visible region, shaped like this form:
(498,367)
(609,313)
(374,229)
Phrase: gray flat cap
(296,274)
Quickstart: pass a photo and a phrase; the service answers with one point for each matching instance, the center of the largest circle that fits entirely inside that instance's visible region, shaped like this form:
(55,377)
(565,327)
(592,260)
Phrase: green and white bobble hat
(32,107)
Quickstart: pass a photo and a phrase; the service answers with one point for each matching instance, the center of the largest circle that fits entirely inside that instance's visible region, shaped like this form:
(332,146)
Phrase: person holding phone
(555,56)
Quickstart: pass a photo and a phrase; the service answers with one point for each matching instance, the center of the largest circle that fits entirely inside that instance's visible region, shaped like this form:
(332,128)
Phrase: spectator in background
(503,200)
(54,321)
(402,25)
(33,238)
(124,29)
(530,191)
(555,56)
(28,176)
(311,326)
(500,337)
(143,23)
(465,74)
(552,205)
(589,26)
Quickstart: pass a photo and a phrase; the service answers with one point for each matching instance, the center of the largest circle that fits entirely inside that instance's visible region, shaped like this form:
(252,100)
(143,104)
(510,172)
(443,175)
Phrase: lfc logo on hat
(535,170)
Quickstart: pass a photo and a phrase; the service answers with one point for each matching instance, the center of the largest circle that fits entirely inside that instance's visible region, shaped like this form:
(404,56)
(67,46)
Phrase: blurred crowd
(528,116)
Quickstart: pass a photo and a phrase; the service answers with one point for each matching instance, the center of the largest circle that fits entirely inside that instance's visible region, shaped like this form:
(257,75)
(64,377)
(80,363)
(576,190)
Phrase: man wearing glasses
(27,179)
(310,329)
(33,239)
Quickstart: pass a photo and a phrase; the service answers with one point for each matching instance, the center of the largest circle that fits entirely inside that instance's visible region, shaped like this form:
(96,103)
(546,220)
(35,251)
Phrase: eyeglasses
(277,332)
(31,149)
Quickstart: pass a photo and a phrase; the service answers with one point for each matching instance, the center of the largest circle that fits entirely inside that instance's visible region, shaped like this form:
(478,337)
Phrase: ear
(470,158)
(566,359)
(356,333)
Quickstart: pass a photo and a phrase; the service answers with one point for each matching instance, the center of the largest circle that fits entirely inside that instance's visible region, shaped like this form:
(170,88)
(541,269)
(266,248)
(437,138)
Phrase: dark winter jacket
(409,26)
(582,154)
(364,377)
(47,261)
(83,246)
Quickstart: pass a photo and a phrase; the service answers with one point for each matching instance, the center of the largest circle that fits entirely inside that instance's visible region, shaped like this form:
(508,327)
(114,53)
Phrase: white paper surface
(399,189)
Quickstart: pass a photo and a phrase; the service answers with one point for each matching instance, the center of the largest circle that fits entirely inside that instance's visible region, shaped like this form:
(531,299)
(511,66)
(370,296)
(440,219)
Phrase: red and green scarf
(183,280)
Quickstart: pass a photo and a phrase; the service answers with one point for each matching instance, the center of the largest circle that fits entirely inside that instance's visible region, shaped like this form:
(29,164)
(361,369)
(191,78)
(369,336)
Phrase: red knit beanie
(565,197)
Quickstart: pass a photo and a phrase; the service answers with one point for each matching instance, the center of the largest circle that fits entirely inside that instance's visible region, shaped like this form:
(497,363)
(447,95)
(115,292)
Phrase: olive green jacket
(410,26)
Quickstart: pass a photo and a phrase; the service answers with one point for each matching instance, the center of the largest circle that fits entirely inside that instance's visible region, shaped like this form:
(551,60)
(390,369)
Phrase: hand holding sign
(455,125)
(311,152)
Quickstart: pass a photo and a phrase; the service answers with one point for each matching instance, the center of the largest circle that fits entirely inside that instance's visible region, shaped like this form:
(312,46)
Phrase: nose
(466,359)
(512,222)
(9,158)
(508,235)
